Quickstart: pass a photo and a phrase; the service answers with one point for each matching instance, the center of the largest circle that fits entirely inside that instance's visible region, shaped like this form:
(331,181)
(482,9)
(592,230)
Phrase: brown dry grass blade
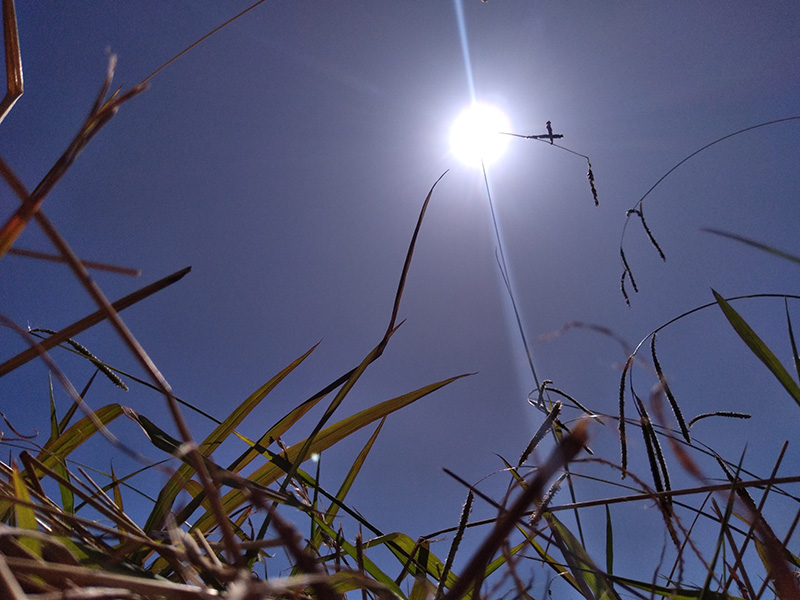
(13,59)
(89,264)
(102,112)
(90,320)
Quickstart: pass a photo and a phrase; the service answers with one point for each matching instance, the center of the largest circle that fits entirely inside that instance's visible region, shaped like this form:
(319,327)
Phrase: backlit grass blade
(592,582)
(117,491)
(316,538)
(352,473)
(171,489)
(414,556)
(369,567)
(67,497)
(268,473)
(561,570)
(759,348)
(25,515)
(422,589)
(55,452)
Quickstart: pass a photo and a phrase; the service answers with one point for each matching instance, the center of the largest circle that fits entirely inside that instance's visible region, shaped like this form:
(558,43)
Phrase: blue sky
(286,159)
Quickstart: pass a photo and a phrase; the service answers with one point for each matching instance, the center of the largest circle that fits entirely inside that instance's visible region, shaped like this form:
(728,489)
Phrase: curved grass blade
(270,472)
(55,453)
(759,348)
(369,567)
(171,489)
(592,582)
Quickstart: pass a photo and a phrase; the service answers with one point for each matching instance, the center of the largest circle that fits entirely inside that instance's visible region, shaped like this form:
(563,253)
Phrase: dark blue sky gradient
(286,159)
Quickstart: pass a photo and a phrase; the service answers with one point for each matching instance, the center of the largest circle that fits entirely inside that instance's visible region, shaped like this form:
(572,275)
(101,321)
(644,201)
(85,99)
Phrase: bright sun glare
(475,136)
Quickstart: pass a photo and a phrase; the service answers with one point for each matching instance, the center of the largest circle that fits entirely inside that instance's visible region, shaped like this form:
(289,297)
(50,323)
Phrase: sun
(475,134)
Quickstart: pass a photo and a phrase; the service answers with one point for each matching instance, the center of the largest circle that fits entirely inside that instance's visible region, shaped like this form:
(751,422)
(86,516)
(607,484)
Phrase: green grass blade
(25,515)
(561,570)
(316,538)
(268,473)
(369,567)
(592,581)
(352,473)
(759,348)
(414,556)
(172,488)
(56,452)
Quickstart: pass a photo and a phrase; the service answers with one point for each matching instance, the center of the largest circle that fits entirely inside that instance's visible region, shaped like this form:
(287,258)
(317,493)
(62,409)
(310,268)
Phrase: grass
(65,531)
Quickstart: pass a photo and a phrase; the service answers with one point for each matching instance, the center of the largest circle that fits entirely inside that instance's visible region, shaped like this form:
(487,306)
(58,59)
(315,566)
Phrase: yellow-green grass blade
(503,559)
(56,452)
(405,548)
(24,514)
(347,483)
(347,581)
(560,569)
(759,348)
(592,581)
(369,567)
(355,469)
(268,473)
(422,589)
(305,450)
(170,491)
(67,497)
(117,491)
(274,433)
